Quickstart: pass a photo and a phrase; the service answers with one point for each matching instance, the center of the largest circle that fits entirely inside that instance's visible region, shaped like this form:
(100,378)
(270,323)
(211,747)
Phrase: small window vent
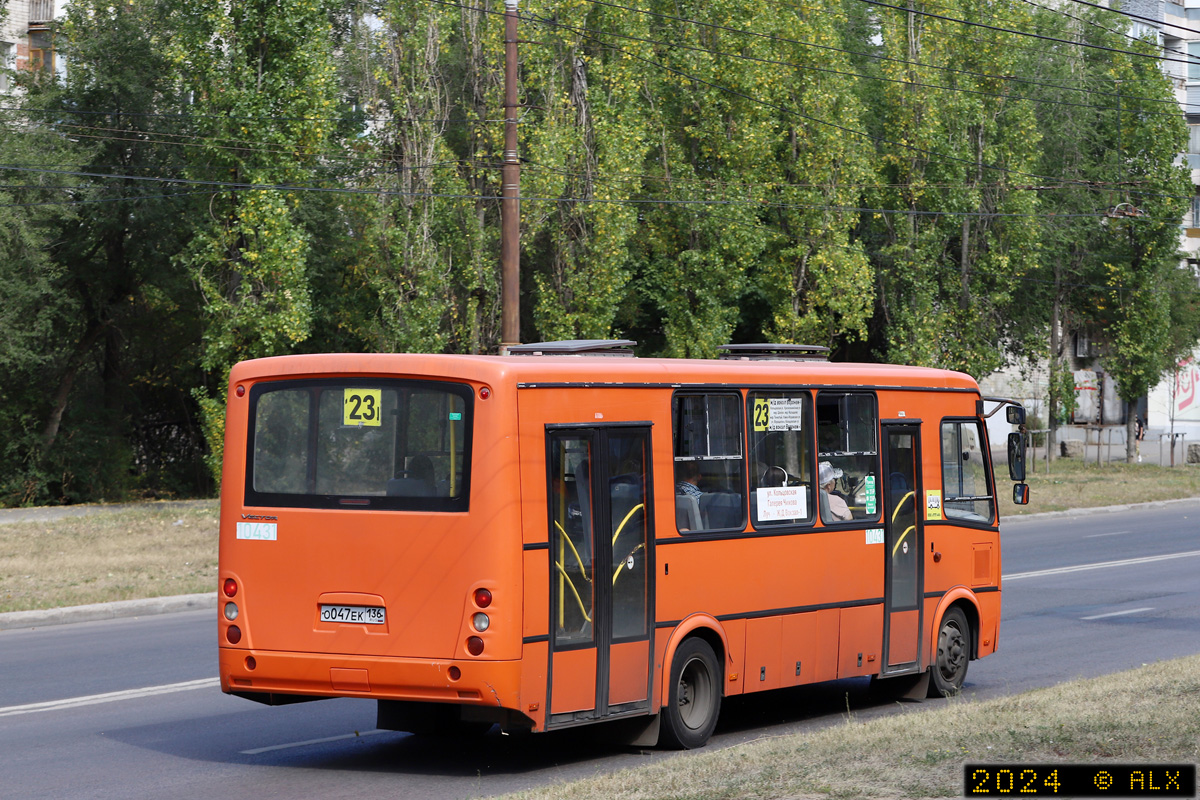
(576,347)
(773,352)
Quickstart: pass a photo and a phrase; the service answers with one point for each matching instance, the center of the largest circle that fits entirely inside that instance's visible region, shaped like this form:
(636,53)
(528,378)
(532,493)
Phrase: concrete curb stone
(96,611)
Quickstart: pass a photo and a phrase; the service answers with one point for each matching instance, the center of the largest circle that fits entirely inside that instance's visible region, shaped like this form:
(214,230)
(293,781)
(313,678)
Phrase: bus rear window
(359,444)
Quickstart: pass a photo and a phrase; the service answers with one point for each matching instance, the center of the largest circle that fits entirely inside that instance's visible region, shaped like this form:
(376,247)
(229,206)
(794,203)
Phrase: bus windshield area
(359,444)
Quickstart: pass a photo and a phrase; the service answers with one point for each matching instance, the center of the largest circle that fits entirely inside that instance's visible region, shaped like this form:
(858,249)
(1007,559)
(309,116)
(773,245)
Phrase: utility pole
(510,203)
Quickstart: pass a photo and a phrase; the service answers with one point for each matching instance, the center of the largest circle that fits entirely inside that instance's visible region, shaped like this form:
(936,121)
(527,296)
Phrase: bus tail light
(475,646)
(483,598)
(231,611)
(234,634)
(481,622)
(230,587)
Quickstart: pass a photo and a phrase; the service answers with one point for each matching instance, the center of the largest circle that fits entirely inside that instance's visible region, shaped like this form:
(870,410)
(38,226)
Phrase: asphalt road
(129,708)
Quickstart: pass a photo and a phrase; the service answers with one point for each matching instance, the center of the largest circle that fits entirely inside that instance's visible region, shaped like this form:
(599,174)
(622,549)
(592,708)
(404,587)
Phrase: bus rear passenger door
(601,543)
(903,538)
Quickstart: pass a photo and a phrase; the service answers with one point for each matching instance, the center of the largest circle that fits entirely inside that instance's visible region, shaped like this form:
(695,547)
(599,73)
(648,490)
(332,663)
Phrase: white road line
(1118,613)
(1114,533)
(1100,565)
(307,742)
(109,697)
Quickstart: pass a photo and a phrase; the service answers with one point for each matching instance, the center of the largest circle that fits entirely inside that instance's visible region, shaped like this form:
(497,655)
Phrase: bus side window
(781,469)
(966,493)
(848,457)
(709,464)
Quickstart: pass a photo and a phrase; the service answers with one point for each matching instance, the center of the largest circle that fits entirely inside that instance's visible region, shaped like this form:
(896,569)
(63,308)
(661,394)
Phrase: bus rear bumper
(315,675)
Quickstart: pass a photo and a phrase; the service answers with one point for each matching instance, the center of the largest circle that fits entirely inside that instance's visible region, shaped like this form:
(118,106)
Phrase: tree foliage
(256,179)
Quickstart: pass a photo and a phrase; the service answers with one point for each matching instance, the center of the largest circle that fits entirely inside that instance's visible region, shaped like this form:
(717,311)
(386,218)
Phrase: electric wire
(383,191)
(1189,60)
(795,113)
(874,56)
(827,70)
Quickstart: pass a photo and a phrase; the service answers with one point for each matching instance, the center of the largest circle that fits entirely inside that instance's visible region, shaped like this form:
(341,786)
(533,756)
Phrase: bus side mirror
(1016,456)
(1021,494)
(1015,414)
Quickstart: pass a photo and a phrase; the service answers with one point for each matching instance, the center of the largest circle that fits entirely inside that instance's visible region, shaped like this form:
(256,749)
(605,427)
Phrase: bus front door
(601,572)
(903,540)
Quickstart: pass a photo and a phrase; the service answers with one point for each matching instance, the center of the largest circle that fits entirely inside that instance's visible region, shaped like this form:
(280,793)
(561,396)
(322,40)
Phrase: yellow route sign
(361,407)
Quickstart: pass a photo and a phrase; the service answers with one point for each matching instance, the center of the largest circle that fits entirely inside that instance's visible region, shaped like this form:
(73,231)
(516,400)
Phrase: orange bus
(568,534)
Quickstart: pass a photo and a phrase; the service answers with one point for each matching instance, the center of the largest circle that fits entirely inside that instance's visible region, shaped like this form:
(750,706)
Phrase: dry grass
(1151,714)
(1072,484)
(156,550)
(162,549)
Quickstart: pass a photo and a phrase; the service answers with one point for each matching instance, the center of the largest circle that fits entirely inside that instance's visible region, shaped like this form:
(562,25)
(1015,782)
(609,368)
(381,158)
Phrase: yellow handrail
(910,529)
(578,559)
(900,505)
(587,617)
(621,527)
(625,561)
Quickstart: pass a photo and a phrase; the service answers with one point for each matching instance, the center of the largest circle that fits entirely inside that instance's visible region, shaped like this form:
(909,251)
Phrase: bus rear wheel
(953,653)
(694,701)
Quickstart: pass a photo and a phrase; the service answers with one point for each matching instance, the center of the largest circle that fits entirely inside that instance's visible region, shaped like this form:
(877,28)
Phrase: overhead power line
(647,201)
(1189,60)
(873,56)
(1131,15)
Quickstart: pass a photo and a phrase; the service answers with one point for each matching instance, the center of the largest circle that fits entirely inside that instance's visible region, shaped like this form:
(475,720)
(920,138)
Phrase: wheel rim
(695,694)
(952,651)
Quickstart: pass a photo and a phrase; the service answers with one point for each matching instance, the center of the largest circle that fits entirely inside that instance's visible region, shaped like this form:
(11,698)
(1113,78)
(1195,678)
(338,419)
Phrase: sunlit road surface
(131,709)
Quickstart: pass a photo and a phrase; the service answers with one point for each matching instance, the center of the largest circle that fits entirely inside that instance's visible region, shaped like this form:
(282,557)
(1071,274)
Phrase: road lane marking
(1100,565)
(1114,533)
(307,742)
(109,697)
(1118,613)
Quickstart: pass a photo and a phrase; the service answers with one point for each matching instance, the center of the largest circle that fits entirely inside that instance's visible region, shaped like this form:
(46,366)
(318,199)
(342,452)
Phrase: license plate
(361,615)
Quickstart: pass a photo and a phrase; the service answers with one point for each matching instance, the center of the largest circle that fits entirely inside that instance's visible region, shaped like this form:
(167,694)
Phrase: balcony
(41,12)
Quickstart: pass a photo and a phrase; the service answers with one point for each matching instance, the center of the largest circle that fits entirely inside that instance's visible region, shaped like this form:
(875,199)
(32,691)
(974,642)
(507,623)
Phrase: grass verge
(1150,714)
(155,550)
(1072,484)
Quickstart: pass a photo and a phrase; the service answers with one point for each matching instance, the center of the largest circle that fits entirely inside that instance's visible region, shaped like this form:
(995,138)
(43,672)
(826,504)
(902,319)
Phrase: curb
(117,610)
(1011,519)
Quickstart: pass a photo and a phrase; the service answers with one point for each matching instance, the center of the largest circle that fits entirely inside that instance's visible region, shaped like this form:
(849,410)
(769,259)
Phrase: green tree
(1111,252)
(265,104)
(113,411)
(954,150)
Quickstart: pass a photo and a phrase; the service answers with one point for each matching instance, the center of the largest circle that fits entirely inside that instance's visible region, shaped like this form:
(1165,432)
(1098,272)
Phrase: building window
(1193,67)
(8,62)
(41,51)
(1082,346)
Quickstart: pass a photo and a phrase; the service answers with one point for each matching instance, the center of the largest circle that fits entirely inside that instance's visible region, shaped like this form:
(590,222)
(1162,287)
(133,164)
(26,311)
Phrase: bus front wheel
(695,697)
(953,654)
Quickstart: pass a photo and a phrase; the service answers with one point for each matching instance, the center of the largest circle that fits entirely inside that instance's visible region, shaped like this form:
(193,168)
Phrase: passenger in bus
(687,478)
(833,506)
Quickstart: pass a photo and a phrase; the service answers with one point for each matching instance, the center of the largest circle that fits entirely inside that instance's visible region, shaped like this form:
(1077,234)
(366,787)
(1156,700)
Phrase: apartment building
(26,38)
